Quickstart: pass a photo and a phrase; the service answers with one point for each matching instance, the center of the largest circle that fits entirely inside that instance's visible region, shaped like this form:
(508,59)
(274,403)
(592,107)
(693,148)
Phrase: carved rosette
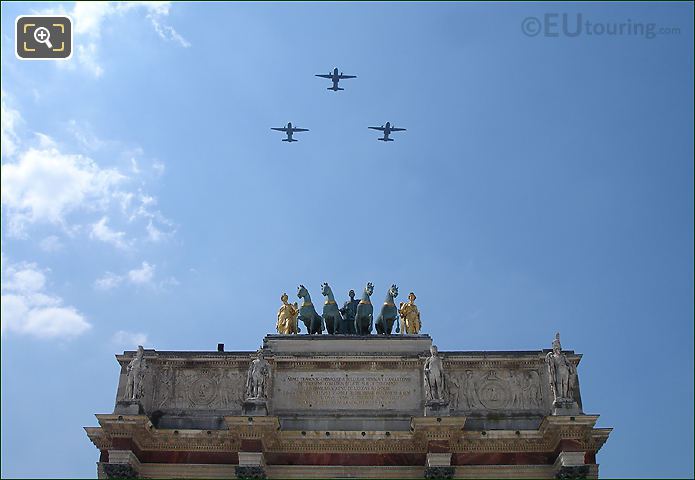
(203,390)
(493,392)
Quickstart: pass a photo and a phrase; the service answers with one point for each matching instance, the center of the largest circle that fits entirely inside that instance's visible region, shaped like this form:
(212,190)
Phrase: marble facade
(346,406)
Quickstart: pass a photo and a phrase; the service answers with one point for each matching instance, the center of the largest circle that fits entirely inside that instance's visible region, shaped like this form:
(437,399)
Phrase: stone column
(251,460)
(438,465)
(571,466)
(438,433)
(122,464)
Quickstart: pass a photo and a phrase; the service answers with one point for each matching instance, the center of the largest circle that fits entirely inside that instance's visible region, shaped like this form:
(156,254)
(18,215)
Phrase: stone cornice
(552,431)
(451,430)
(484,358)
(140,430)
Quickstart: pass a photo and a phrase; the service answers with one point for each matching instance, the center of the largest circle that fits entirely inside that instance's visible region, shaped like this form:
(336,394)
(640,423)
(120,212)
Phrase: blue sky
(544,184)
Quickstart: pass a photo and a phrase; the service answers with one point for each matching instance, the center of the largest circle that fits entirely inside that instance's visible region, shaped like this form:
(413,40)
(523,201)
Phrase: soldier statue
(434,376)
(562,375)
(287,317)
(410,316)
(349,311)
(257,378)
(135,376)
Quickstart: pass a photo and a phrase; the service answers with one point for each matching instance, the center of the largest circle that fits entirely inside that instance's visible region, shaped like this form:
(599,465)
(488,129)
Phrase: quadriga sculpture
(389,313)
(364,319)
(307,313)
(348,312)
(331,314)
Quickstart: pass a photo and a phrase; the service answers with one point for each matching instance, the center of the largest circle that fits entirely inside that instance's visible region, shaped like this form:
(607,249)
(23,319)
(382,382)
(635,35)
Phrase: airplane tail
(385,139)
(335,89)
(289,140)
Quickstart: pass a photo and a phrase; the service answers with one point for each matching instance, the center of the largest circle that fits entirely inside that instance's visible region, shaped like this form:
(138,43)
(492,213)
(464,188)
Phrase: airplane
(289,130)
(335,77)
(387,129)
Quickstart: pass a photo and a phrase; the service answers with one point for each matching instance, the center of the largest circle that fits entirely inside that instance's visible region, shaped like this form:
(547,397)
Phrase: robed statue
(434,376)
(410,316)
(257,378)
(348,312)
(135,379)
(287,317)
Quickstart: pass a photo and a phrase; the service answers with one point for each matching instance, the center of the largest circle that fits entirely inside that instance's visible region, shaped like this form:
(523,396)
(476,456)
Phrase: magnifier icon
(42,35)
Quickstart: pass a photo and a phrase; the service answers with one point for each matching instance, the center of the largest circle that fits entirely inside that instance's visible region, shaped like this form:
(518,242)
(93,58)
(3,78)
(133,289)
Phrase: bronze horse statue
(331,314)
(364,318)
(389,313)
(307,313)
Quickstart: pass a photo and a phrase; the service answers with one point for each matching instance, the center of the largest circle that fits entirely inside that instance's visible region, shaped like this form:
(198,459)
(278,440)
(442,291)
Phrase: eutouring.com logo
(575,25)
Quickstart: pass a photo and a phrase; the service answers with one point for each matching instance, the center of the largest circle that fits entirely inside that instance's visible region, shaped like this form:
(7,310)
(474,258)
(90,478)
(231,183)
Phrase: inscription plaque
(396,390)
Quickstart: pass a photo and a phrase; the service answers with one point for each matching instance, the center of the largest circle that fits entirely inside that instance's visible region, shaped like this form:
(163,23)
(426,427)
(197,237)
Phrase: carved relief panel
(183,387)
(497,389)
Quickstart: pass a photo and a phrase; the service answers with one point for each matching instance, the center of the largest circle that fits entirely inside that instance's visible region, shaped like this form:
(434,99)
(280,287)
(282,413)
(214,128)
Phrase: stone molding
(304,472)
(553,430)
(438,460)
(251,459)
(570,459)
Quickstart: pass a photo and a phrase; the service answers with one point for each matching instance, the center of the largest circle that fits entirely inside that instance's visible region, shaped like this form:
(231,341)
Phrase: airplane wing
(283,129)
(341,76)
(381,129)
(324,76)
(393,129)
(300,129)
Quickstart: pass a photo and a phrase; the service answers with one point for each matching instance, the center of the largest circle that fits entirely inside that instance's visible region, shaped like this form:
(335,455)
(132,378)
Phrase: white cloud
(89,18)
(153,233)
(143,275)
(158,168)
(41,184)
(27,279)
(167,32)
(45,185)
(101,231)
(134,166)
(108,281)
(158,227)
(169,282)
(84,135)
(28,310)
(129,339)
(44,141)
(9,119)
(51,244)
